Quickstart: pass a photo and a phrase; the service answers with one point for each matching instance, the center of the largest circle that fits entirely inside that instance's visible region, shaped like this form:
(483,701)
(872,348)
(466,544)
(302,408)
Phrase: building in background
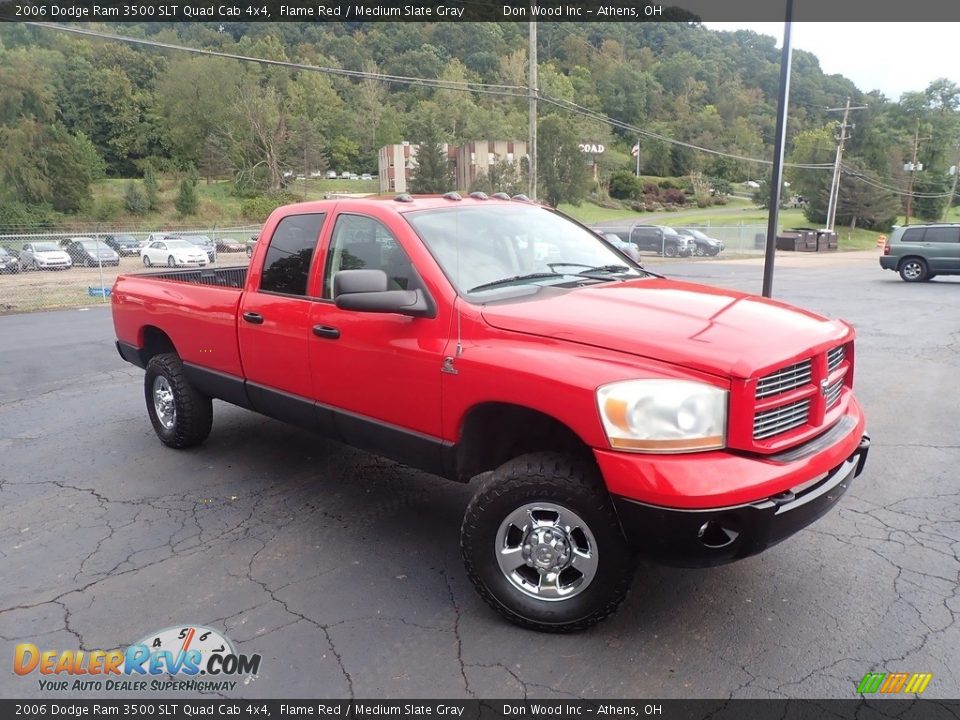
(468,161)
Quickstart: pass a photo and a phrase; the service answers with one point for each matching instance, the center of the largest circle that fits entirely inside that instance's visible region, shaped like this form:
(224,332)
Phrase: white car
(44,256)
(173,253)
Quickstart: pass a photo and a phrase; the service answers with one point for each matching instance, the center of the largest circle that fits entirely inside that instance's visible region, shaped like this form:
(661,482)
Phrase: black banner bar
(479,11)
(177,708)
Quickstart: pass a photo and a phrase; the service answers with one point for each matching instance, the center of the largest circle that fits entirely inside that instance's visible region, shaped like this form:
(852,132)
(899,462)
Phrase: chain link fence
(42,268)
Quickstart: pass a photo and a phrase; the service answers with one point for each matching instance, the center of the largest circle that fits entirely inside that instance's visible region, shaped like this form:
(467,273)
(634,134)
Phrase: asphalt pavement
(343,571)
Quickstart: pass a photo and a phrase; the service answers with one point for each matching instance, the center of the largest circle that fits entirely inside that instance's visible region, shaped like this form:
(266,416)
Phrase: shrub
(134,200)
(674,196)
(107,208)
(257,208)
(624,185)
(650,188)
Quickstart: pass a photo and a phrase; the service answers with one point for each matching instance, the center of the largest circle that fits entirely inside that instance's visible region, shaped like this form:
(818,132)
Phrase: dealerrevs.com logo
(181,654)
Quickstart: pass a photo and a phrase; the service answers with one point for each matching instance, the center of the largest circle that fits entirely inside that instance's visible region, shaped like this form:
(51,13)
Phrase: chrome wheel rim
(546,551)
(912,270)
(163,402)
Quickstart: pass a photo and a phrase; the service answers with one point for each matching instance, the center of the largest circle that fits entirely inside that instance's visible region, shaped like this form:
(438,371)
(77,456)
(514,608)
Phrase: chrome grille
(773,422)
(784,379)
(835,358)
(833,393)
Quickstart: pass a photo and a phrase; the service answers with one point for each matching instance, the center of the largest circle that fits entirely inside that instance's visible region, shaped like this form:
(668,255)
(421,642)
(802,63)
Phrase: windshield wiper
(515,278)
(600,272)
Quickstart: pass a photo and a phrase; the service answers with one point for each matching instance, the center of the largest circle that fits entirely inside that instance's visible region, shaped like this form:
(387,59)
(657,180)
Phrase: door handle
(325,331)
(252,317)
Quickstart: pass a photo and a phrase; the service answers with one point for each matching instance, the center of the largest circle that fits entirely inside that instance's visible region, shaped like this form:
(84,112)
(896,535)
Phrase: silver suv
(921,252)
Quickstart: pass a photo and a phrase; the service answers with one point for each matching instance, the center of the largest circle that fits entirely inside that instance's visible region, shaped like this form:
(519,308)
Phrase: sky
(891,57)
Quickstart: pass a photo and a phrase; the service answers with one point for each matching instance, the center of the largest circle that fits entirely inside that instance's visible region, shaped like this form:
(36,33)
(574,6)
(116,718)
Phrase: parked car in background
(44,255)
(660,239)
(173,252)
(251,246)
(153,237)
(628,248)
(204,243)
(345,175)
(331,175)
(230,245)
(366,176)
(91,253)
(703,243)
(123,245)
(9,263)
(921,252)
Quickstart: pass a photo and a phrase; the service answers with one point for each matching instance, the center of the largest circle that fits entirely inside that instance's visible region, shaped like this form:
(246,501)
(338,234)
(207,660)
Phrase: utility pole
(532,88)
(842,137)
(953,190)
(913,169)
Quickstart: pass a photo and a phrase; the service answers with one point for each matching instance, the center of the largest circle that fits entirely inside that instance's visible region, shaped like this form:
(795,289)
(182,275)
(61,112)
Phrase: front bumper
(714,536)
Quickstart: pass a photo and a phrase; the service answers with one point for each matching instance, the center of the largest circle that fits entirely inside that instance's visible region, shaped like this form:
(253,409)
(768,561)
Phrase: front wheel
(181,416)
(914,270)
(670,250)
(171,262)
(699,252)
(146,261)
(542,545)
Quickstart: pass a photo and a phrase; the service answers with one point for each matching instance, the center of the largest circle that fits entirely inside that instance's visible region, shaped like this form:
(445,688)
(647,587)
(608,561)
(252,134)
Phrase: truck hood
(721,332)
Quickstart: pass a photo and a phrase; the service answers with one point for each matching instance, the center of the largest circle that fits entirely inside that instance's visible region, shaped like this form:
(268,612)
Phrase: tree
(151,187)
(861,202)
(502,176)
(187,200)
(926,186)
(134,200)
(432,173)
(561,167)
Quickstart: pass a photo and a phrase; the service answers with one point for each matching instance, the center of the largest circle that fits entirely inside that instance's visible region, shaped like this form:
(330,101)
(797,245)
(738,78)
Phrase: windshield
(92,245)
(3,252)
(488,248)
(198,239)
(178,245)
(44,247)
(125,240)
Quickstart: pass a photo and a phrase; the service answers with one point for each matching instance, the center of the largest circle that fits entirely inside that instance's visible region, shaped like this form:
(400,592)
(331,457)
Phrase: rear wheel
(914,270)
(181,416)
(542,545)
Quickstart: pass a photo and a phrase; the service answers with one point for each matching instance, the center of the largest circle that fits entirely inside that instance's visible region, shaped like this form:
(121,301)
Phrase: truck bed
(231,277)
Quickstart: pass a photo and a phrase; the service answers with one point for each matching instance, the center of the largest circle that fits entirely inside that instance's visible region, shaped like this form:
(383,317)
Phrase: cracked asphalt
(343,571)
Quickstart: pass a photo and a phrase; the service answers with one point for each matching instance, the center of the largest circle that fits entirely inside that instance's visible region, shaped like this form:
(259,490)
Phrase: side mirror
(366,291)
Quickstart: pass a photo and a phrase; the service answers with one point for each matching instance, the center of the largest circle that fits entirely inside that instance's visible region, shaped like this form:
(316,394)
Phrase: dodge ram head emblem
(823,387)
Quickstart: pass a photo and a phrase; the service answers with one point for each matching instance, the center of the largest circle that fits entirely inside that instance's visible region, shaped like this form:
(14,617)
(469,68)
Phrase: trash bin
(794,241)
(826,240)
(807,238)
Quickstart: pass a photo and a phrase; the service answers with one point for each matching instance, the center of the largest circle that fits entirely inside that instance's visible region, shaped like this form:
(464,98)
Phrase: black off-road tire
(193,410)
(549,478)
(671,251)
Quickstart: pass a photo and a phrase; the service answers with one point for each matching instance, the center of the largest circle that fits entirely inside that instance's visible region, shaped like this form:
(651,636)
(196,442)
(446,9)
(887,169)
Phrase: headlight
(663,416)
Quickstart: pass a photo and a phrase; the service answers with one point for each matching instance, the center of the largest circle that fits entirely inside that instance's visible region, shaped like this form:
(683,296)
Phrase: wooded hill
(74,109)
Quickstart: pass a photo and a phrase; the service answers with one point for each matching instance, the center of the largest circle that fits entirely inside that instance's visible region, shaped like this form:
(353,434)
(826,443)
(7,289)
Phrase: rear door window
(913,235)
(286,268)
(942,235)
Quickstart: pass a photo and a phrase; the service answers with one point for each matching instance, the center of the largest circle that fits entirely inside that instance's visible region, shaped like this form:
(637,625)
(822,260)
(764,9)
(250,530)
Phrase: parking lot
(343,570)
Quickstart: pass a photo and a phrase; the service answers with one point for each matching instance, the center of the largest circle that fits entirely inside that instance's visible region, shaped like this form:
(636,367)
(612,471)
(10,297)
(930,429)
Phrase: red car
(600,409)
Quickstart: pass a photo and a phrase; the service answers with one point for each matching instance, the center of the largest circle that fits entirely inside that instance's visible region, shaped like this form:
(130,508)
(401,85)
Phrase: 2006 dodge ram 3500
(602,409)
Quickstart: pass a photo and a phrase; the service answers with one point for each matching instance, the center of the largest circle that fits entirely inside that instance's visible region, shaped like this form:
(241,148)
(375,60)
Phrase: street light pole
(776,179)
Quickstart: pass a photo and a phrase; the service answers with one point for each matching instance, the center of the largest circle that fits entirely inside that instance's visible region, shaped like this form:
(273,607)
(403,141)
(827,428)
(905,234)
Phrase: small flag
(635,150)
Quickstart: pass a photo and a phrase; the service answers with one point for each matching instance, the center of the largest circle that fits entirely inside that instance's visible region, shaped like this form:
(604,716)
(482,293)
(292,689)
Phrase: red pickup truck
(600,408)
